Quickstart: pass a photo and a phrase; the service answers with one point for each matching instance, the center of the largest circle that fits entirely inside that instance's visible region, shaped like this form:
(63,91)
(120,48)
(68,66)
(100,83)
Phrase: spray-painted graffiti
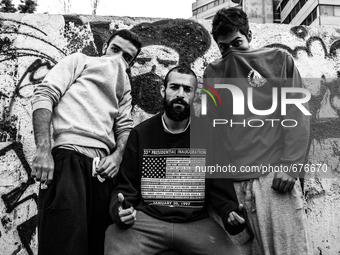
(13,84)
(14,198)
(10,59)
(328,92)
(38,62)
(166,43)
(17,85)
(28,52)
(302,32)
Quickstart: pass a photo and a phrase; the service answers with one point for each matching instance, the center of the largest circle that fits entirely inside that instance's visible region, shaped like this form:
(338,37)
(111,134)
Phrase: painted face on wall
(156,59)
(148,72)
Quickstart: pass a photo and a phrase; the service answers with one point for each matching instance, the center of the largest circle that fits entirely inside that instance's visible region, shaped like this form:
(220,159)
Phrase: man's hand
(43,166)
(234,218)
(126,215)
(109,166)
(283,182)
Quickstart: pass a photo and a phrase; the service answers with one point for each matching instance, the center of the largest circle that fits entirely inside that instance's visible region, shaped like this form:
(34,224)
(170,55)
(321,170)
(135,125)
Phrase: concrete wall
(30,45)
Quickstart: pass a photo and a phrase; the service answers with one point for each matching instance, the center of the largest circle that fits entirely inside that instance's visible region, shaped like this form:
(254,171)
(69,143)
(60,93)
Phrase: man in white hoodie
(88,101)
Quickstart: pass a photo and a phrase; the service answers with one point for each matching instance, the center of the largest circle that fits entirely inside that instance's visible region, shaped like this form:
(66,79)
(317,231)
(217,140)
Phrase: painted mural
(30,45)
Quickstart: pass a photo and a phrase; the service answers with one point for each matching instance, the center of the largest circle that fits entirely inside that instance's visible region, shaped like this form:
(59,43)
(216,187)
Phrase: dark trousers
(73,213)
(150,236)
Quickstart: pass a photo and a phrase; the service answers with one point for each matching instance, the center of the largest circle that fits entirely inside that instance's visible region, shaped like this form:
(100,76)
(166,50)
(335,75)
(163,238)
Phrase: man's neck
(175,126)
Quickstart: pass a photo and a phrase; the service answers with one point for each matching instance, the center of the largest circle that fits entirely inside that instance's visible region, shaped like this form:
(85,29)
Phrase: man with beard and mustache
(159,202)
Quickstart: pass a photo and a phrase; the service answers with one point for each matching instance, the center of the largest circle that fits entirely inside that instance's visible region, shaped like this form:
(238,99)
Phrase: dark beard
(174,113)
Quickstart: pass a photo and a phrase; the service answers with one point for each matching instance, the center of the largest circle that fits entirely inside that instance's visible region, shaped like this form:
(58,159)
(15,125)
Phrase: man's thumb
(240,207)
(120,198)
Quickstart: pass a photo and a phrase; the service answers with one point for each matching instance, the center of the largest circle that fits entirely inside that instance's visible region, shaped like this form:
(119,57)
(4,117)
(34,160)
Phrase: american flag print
(170,177)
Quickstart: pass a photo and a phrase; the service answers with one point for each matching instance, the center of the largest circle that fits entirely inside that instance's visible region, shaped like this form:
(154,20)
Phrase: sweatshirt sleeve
(223,200)
(123,122)
(57,81)
(128,181)
(221,194)
(296,138)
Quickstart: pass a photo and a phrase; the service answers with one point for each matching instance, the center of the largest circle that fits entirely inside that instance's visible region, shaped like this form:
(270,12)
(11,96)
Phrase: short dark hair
(182,70)
(229,20)
(127,35)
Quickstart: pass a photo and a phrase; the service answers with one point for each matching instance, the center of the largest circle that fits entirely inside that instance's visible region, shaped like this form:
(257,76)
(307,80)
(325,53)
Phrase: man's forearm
(120,147)
(42,128)
(43,164)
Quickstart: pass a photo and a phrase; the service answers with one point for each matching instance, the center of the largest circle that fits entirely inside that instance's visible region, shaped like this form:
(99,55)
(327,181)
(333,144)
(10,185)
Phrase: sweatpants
(150,236)
(276,219)
(73,212)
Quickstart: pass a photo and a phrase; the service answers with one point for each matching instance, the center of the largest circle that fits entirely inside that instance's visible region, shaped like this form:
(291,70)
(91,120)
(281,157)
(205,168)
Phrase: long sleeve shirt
(159,175)
(90,101)
(250,139)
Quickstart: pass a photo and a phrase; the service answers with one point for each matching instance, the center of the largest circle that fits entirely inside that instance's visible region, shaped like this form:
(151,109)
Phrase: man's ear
(162,91)
(104,48)
(250,36)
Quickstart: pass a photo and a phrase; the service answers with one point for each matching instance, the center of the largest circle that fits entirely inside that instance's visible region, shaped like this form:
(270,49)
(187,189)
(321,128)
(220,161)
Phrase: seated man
(159,202)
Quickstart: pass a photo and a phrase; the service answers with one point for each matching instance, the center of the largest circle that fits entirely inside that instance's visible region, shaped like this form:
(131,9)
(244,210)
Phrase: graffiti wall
(30,45)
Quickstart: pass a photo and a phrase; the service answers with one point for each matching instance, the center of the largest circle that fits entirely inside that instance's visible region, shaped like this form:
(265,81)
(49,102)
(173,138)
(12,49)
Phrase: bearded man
(160,200)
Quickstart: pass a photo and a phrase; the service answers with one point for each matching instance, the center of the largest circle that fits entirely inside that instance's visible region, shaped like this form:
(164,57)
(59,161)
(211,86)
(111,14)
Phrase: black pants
(73,213)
